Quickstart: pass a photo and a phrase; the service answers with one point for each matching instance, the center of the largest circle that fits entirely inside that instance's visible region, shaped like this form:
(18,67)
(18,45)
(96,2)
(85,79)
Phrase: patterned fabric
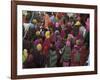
(75,57)
(66,53)
(52,58)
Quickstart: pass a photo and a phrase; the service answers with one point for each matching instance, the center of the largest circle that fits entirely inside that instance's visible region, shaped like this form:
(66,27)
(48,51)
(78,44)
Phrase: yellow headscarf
(37,33)
(39,47)
(77,23)
(34,21)
(47,34)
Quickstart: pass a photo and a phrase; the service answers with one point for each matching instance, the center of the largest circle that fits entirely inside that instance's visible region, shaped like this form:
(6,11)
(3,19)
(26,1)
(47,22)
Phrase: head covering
(25,50)
(57,32)
(37,33)
(47,34)
(39,47)
(24,13)
(34,21)
(57,24)
(47,20)
(77,42)
(70,14)
(25,54)
(70,36)
(69,24)
(77,23)
(37,41)
(68,43)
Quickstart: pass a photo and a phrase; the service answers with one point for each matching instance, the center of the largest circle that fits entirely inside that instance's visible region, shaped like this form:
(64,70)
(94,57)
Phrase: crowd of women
(55,39)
